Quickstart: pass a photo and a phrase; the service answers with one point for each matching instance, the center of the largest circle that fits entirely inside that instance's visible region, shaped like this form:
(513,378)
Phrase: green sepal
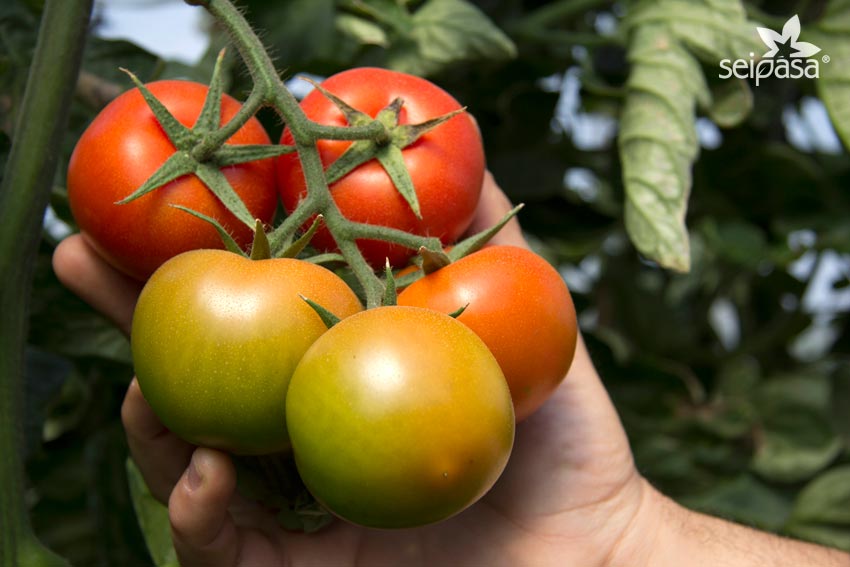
(392,160)
(328,258)
(228,241)
(457,312)
(328,318)
(433,260)
(260,246)
(477,241)
(296,247)
(390,293)
(221,188)
(355,155)
(230,154)
(210,117)
(176,166)
(353,116)
(179,135)
(406,134)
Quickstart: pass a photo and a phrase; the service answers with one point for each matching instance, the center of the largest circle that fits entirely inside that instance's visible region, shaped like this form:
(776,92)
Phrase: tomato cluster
(396,416)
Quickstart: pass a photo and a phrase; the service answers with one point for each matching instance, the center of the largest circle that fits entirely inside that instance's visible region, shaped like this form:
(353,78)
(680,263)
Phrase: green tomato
(216,338)
(399,417)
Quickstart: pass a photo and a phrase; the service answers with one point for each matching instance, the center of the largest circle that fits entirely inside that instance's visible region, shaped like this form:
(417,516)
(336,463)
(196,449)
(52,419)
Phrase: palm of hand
(567,496)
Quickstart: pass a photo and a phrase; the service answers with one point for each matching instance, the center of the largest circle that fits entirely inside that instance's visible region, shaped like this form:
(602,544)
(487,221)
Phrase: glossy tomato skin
(399,417)
(216,338)
(120,150)
(521,308)
(446,164)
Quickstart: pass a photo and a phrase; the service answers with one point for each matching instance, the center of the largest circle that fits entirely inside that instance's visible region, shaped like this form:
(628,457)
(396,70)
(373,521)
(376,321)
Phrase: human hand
(568,495)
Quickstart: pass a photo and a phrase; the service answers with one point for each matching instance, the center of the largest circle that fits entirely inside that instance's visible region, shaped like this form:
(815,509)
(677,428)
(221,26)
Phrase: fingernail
(193,475)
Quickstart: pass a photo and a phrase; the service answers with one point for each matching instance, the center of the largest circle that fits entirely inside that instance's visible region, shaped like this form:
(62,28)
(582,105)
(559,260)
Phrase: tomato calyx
(386,148)
(198,150)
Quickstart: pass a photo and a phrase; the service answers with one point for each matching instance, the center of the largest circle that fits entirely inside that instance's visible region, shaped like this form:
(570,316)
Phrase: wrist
(650,534)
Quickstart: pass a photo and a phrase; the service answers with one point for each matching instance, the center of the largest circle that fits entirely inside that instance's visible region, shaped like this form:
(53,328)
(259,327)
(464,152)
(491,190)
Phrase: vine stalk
(24,195)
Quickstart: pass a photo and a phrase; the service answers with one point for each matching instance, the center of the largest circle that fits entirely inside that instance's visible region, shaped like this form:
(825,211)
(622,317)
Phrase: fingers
(85,273)
(201,527)
(160,455)
(493,205)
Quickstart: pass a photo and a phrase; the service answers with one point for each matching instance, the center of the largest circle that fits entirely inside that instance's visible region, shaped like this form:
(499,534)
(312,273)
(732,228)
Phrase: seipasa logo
(795,62)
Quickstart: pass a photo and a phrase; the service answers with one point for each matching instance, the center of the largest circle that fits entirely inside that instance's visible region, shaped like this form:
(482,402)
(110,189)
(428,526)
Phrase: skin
(570,494)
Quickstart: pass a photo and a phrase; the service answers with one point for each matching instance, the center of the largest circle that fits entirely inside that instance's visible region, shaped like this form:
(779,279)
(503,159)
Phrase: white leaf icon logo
(790,35)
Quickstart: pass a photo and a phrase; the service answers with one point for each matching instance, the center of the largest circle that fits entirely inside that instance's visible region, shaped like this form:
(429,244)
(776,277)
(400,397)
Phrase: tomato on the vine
(216,338)
(446,164)
(521,308)
(399,417)
(120,150)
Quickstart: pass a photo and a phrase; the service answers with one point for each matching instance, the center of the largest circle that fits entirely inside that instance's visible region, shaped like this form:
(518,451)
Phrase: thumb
(201,527)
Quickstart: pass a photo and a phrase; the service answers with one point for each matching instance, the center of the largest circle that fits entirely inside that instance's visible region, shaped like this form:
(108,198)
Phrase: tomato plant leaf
(153,519)
(218,184)
(392,160)
(444,33)
(797,442)
(657,139)
(833,85)
(228,241)
(176,166)
(821,512)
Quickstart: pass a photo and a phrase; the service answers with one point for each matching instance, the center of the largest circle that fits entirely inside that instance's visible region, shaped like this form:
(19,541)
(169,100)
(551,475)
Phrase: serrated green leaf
(658,144)
(797,442)
(657,133)
(744,499)
(732,102)
(821,512)
(153,519)
(361,30)
(445,32)
(832,35)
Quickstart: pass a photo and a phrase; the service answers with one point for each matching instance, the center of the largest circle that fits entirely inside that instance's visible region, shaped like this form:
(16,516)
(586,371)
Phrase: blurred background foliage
(732,379)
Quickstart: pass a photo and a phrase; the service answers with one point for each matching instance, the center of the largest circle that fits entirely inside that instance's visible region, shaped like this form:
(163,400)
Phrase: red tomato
(520,307)
(120,150)
(446,164)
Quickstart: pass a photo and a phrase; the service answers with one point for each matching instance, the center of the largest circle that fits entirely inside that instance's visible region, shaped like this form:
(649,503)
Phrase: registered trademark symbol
(825,59)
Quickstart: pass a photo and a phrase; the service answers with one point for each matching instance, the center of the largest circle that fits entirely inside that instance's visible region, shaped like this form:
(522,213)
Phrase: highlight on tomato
(216,338)
(399,417)
(520,307)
